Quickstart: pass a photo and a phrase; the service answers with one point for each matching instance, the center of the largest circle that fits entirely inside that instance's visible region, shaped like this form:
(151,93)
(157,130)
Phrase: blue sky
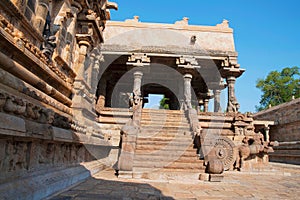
(267,32)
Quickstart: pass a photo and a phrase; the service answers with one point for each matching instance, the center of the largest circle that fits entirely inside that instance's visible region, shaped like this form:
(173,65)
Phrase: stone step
(166,174)
(165,134)
(113,120)
(164,116)
(164,152)
(157,158)
(169,147)
(116,113)
(169,165)
(164,123)
(161,137)
(287,151)
(175,142)
(284,155)
(165,128)
(145,110)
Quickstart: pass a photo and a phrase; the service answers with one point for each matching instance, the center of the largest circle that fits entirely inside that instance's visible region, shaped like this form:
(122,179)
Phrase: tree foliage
(163,104)
(279,87)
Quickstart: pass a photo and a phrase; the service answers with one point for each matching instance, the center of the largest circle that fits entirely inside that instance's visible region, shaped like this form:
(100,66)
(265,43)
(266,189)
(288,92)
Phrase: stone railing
(192,116)
(129,135)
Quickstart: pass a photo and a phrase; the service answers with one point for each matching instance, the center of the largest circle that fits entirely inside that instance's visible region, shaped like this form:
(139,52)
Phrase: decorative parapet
(179,25)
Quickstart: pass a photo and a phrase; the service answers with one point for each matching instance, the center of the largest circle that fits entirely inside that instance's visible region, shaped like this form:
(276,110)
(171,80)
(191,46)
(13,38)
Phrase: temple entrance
(158,92)
(154,101)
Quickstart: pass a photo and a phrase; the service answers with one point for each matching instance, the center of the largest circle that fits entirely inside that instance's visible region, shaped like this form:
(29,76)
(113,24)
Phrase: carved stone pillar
(232,105)
(137,84)
(217,106)
(137,98)
(187,90)
(206,102)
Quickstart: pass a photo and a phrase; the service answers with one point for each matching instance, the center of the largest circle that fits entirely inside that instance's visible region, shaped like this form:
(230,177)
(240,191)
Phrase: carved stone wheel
(224,151)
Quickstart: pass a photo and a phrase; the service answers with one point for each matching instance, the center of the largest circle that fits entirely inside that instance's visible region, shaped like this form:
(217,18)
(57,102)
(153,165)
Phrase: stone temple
(73,89)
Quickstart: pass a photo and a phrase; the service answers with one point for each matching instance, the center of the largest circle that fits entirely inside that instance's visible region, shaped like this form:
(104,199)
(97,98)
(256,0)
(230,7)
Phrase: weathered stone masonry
(286,130)
(47,143)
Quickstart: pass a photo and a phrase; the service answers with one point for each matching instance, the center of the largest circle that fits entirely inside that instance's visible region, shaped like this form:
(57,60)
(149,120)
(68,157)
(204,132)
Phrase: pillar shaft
(137,98)
(187,90)
(206,102)
(137,84)
(217,106)
(267,129)
(102,94)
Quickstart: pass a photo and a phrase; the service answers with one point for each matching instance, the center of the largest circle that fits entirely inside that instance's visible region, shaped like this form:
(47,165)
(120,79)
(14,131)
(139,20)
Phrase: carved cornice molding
(138,60)
(187,62)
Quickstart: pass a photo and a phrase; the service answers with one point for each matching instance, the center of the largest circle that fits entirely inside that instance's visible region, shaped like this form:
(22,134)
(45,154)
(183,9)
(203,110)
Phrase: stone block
(216,177)
(37,130)
(204,177)
(62,134)
(12,125)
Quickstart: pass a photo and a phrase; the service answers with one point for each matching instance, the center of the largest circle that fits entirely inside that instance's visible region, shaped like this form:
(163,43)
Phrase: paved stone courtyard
(283,182)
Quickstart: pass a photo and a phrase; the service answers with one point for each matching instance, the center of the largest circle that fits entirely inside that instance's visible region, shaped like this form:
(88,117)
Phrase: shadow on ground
(107,189)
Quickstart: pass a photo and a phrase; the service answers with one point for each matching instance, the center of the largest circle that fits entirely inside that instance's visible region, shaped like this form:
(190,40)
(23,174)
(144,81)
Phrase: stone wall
(49,138)
(286,130)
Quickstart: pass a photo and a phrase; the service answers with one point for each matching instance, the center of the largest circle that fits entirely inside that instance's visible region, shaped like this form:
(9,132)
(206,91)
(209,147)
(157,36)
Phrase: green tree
(163,104)
(279,87)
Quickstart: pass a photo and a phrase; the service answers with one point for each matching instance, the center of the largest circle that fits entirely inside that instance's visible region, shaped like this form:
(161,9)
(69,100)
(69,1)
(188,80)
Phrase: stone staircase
(165,147)
(111,121)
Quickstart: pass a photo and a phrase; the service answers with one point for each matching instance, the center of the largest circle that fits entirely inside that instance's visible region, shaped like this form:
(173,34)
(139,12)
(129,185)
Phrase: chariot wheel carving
(224,150)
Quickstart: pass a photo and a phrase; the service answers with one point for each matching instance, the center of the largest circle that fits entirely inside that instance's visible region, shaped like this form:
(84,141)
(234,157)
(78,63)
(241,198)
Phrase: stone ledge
(44,185)
(16,126)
